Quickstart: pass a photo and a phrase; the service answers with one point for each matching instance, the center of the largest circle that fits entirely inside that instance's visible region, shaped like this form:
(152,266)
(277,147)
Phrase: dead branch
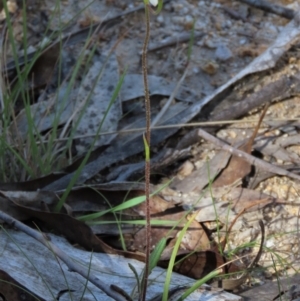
(182,38)
(249,158)
(271,8)
(86,273)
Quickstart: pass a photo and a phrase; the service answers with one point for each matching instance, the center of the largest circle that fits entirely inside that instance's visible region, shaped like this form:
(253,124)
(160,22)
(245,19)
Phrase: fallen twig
(271,8)
(234,14)
(249,158)
(182,38)
(284,87)
(171,98)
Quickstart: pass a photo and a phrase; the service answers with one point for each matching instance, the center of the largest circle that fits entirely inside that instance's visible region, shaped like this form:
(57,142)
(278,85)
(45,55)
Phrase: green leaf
(136,276)
(147,149)
(128,204)
(198,283)
(156,253)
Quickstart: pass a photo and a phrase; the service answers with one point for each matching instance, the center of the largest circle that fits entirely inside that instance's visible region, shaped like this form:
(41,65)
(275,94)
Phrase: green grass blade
(156,253)
(198,283)
(172,259)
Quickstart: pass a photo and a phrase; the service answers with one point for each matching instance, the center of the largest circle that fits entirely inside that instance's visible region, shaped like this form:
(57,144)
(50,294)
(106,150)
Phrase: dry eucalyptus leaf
(133,87)
(200,178)
(8,207)
(44,113)
(96,107)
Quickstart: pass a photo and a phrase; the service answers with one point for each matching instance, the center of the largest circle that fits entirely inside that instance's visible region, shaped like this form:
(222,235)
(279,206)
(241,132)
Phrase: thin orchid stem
(147,152)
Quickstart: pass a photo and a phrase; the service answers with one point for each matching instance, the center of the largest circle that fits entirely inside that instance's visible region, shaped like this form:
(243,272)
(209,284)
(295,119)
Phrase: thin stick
(172,126)
(172,96)
(271,8)
(251,159)
(86,273)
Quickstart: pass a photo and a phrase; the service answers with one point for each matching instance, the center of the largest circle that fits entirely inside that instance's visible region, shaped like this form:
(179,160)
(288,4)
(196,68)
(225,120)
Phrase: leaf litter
(196,191)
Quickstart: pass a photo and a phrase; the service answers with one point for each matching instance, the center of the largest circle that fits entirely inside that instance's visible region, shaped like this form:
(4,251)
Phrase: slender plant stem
(145,76)
(147,152)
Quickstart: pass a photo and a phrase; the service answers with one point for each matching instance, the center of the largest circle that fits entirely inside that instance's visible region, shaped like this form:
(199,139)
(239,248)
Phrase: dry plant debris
(245,55)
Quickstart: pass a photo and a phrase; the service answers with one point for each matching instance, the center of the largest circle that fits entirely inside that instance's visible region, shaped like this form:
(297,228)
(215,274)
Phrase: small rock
(178,20)
(210,43)
(200,25)
(184,11)
(223,53)
(160,19)
(196,70)
(186,168)
(267,274)
(227,24)
(201,4)
(188,22)
(243,11)
(177,7)
(210,67)
(243,41)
